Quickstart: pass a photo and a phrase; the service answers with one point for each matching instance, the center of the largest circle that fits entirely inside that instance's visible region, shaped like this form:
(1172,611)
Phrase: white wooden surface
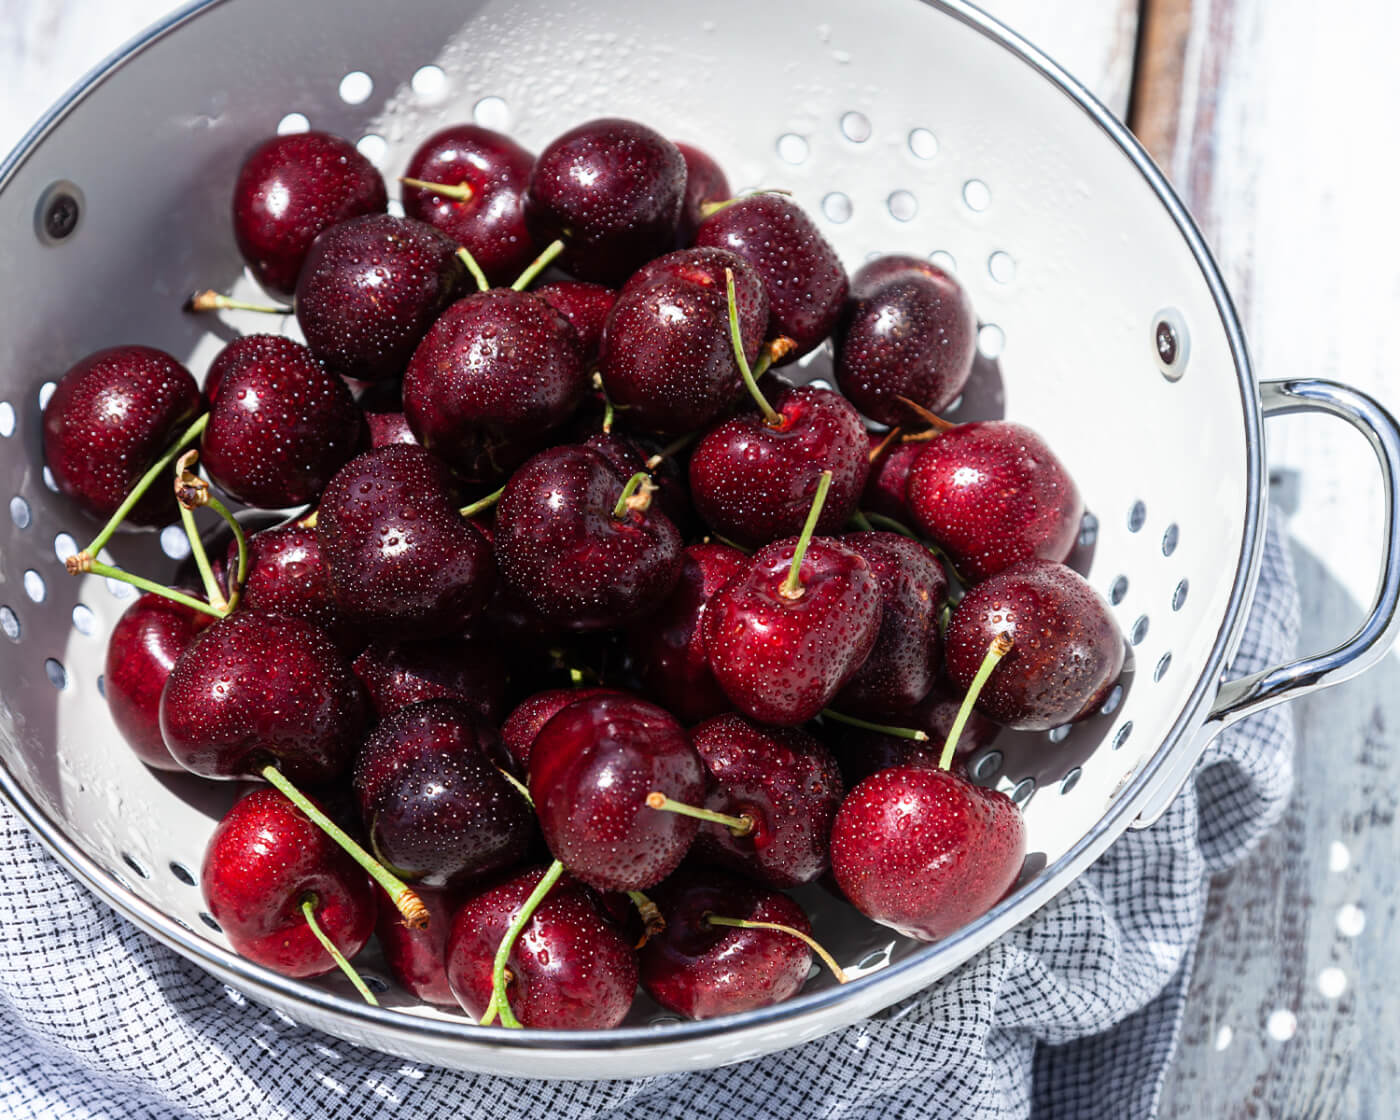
(1287,152)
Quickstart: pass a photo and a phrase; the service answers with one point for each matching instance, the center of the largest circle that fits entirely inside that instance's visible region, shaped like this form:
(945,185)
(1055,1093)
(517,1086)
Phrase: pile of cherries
(583,634)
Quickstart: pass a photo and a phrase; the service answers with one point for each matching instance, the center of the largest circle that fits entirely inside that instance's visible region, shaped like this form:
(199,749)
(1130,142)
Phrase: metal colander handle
(1240,698)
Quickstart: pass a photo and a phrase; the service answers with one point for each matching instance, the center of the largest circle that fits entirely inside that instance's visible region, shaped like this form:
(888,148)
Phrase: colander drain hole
(923,143)
(1111,701)
(1139,630)
(903,206)
(9,624)
(45,392)
(34,586)
(293,122)
(991,341)
(792,148)
(1162,666)
(1001,267)
(182,873)
(136,865)
(429,82)
(1122,736)
(977,195)
(20,513)
(492,112)
(1137,516)
(1024,791)
(64,546)
(174,543)
(1170,539)
(941,258)
(373,147)
(208,920)
(856,127)
(837,207)
(7,419)
(1070,780)
(1118,591)
(1179,595)
(84,621)
(356,87)
(986,766)
(57,674)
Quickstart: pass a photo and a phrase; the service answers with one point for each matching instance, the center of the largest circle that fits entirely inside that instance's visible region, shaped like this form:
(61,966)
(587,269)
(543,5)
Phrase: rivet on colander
(183,873)
(9,624)
(1024,791)
(1179,595)
(58,213)
(986,766)
(7,419)
(57,674)
(20,513)
(1171,344)
(1070,780)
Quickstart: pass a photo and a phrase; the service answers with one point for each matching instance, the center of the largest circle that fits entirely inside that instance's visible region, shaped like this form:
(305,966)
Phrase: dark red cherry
(111,416)
(260,689)
(145,644)
(908,653)
(910,332)
(779,657)
(287,574)
(612,191)
(805,280)
(586,306)
(402,559)
(925,851)
(591,769)
(701,970)
(497,373)
(399,672)
(628,455)
(991,494)
(570,969)
(522,725)
(669,646)
(493,171)
(288,191)
(437,808)
(370,289)
(388,427)
(666,355)
(563,547)
(280,423)
(862,752)
(784,781)
(705,183)
(417,957)
(753,480)
(264,860)
(887,485)
(1066,653)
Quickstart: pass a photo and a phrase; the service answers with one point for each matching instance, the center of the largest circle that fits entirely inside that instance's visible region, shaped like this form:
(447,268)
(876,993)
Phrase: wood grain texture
(1276,140)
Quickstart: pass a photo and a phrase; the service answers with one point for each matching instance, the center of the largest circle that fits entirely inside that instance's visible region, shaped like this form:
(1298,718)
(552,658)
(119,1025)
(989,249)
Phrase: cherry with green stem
(910,733)
(500,1003)
(210,300)
(481,505)
(1000,647)
(792,586)
(739,826)
(776,927)
(538,265)
(308,909)
(482,284)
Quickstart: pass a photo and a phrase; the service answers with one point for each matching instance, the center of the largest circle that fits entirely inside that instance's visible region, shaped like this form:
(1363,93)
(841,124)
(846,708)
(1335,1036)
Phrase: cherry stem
(806,939)
(740,826)
(83,564)
(209,300)
(464,255)
(709,208)
(192,492)
(860,521)
(675,447)
(652,921)
(157,470)
(538,265)
(880,521)
(792,586)
(1000,647)
(462,192)
(883,446)
(308,520)
(498,968)
(636,495)
(308,909)
(520,787)
(241,575)
(883,729)
(771,416)
(933,420)
(482,504)
(731,544)
(415,914)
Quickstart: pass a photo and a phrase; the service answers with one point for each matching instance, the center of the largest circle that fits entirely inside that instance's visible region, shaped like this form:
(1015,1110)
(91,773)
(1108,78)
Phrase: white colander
(908,127)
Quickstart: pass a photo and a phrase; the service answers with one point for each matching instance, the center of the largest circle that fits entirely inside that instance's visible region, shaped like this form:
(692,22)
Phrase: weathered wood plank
(1273,133)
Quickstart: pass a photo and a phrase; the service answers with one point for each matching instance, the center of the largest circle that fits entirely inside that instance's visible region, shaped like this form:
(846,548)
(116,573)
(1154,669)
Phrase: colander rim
(921,967)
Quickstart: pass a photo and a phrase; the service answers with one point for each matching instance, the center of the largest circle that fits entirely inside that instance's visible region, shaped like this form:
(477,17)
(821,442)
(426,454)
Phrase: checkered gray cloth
(1073,1014)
